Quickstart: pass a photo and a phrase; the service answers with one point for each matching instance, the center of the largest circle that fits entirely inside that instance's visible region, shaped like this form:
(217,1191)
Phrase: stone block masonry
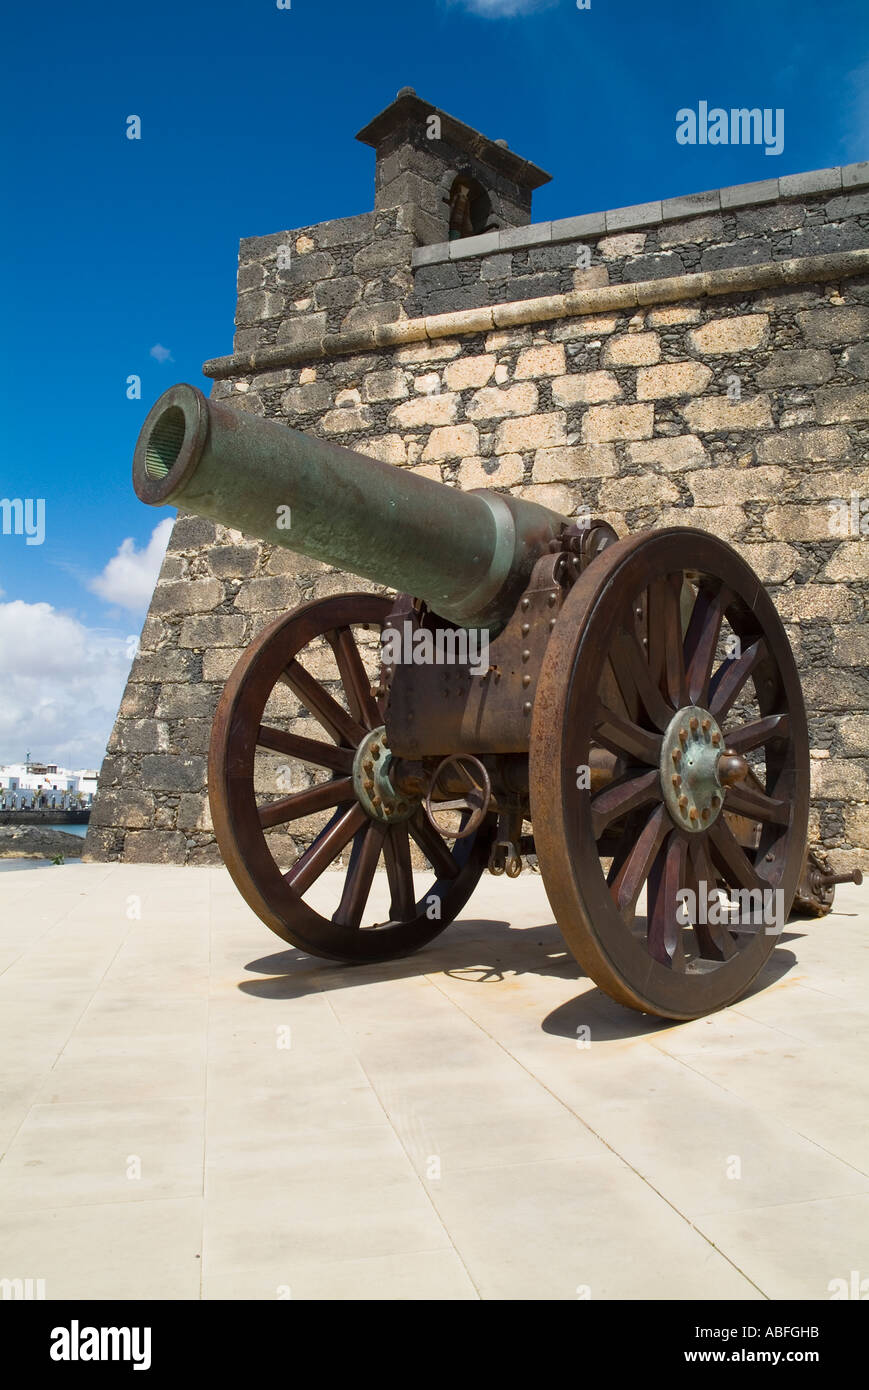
(725,391)
(355,274)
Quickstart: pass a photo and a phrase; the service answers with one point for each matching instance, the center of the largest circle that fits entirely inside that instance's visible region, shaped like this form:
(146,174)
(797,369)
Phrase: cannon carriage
(630,714)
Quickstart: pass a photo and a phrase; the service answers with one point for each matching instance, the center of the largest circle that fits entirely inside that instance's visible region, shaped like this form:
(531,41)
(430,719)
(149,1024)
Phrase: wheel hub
(372,784)
(692,746)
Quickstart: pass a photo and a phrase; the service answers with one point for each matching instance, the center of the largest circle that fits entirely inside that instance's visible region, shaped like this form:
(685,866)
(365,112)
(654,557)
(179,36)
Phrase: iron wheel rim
(236,736)
(567,724)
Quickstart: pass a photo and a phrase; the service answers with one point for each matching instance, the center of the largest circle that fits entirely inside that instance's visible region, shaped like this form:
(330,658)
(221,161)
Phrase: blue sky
(114,248)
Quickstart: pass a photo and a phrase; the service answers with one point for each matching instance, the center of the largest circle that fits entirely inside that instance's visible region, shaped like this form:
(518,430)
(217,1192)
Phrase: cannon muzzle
(468,554)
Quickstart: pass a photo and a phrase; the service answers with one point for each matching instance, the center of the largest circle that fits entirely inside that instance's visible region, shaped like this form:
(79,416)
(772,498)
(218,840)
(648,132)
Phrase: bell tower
(452,181)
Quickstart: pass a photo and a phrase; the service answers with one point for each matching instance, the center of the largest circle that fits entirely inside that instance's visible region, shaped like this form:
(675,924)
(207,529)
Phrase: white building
(31,786)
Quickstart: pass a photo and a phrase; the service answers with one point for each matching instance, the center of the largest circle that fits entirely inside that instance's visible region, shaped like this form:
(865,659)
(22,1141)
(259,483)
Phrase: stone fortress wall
(701,361)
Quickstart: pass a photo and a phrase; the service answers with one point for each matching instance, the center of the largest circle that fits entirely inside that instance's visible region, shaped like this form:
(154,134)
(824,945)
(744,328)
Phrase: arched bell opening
(470,208)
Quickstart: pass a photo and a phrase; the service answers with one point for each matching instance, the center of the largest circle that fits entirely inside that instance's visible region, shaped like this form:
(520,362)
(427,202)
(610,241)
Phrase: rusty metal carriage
(630,714)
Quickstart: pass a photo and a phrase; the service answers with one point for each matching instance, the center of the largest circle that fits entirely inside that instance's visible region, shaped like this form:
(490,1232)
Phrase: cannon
(624,714)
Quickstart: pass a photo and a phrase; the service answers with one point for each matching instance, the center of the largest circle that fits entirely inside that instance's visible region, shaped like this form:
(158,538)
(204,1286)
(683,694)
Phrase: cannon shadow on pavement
(608,1020)
(478,953)
(484,950)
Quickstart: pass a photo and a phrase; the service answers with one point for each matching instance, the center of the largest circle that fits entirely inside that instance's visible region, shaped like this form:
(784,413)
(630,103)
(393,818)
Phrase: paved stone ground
(150,1044)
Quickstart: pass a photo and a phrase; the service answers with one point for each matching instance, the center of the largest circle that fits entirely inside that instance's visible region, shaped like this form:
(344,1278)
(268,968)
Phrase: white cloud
(62,683)
(162,354)
(129,578)
(503,9)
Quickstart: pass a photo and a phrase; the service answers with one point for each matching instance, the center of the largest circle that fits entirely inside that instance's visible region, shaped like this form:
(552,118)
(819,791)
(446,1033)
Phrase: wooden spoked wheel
(289,803)
(669,655)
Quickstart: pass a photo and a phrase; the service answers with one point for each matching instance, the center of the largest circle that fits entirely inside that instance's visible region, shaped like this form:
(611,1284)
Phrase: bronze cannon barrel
(468,554)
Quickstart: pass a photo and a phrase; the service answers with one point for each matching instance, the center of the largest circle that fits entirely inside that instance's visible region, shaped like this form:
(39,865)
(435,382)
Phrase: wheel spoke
(666,877)
(624,737)
(326,848)
(758,732)
(714,941)
(634,678)
(432,847)
(666,649)
(305,803)
(701,641)
(306,750)
(399,872)
(335,720)
(731,676)
(625,794)
(354,677)
(360,876)
(735,864)
(743,800)
(631,828)
(628,882)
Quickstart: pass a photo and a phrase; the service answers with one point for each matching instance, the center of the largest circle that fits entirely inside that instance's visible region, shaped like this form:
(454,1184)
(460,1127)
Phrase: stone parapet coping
(838,180)
(576,303)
